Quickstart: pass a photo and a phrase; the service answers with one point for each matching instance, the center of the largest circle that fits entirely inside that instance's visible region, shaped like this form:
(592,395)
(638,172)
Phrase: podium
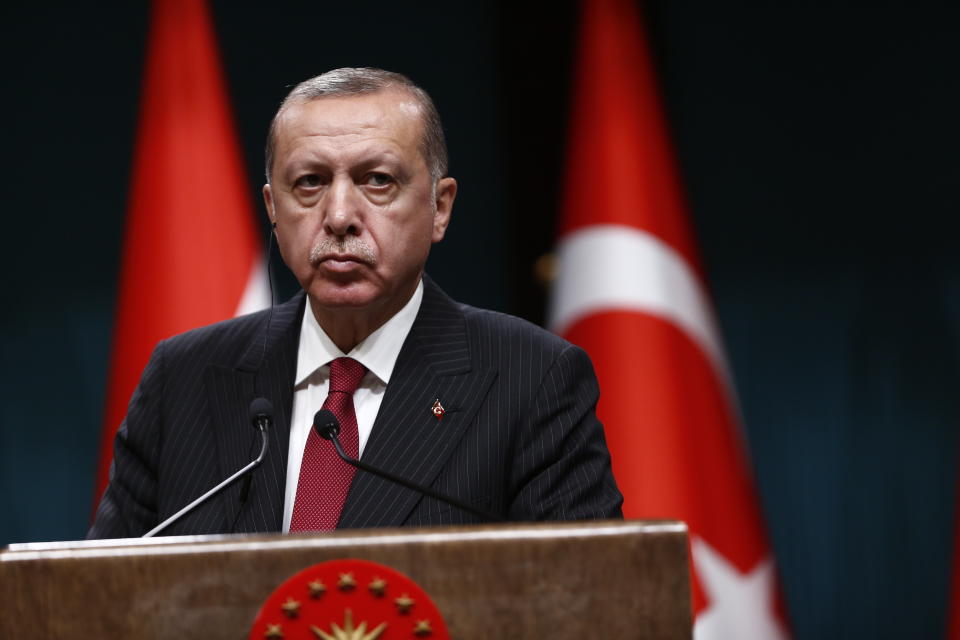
(604,579)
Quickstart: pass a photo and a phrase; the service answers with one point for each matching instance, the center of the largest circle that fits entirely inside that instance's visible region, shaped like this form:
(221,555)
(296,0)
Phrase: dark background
(819,147)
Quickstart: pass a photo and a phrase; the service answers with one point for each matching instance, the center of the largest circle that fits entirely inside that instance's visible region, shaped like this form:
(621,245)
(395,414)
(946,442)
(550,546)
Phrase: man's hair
(351,81)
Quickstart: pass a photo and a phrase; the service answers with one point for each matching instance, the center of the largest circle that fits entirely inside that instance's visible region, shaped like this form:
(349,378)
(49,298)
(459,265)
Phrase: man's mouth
(339,262)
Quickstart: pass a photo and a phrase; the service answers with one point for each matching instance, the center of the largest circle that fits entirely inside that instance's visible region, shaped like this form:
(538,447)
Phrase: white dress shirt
(378,353)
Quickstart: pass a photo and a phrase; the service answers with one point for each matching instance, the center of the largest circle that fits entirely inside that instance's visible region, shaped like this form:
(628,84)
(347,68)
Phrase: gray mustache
(350,245)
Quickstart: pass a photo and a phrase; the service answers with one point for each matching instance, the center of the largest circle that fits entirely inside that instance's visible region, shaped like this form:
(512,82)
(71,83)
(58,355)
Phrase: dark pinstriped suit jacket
(519,435)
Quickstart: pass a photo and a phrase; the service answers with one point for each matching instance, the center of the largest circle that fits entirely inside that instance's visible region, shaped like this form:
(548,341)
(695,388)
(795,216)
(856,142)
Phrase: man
(478,405)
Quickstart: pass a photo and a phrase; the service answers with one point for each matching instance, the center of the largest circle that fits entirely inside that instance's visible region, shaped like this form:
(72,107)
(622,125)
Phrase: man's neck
(348,327)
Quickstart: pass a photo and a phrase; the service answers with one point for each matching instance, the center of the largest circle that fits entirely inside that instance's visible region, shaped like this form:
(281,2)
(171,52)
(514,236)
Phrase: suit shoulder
(505,330)
(231,337)
(225,331)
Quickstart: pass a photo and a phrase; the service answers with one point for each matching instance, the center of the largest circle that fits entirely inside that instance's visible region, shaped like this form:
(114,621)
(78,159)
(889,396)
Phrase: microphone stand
(217,489)
(486,515)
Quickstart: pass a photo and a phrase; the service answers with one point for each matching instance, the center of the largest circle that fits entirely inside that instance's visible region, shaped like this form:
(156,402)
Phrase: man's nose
(343,208)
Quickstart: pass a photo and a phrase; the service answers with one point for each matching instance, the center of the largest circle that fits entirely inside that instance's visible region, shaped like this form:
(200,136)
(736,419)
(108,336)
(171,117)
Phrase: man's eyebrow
(379,158)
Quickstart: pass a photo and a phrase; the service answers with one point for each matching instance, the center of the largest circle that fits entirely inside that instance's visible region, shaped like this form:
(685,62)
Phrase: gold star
(317,588)
(422,628)
(291,608)
(404,603)
(346,582)
(378,586)
(273,631)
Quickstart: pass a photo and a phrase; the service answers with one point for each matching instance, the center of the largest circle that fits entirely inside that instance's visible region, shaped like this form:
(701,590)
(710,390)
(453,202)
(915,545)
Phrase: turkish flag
(630,290)
(191,254)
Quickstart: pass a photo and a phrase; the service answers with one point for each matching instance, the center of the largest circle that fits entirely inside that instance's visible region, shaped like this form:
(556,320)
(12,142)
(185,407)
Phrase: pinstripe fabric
(519,435)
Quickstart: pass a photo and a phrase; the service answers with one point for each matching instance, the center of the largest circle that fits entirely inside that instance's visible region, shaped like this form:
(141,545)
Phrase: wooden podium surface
(608,579)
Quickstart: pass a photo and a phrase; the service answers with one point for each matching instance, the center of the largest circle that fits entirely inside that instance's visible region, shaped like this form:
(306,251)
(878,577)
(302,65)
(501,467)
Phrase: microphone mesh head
(260,408)
(326,424)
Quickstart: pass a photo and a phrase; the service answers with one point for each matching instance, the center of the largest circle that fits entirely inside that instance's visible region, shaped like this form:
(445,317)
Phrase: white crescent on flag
(605,267)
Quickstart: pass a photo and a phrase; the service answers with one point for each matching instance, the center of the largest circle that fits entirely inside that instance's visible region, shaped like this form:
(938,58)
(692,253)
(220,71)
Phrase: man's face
(352,198)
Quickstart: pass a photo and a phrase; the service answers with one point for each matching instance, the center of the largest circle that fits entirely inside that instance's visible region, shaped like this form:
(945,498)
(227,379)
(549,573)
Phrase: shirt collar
(377,352)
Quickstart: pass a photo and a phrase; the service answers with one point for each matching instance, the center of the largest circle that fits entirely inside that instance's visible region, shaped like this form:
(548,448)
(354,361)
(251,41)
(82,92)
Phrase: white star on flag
(741,604)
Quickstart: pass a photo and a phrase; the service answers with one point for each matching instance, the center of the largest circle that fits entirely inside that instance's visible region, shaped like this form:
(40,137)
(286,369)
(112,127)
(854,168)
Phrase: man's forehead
(385,123)
(354,112)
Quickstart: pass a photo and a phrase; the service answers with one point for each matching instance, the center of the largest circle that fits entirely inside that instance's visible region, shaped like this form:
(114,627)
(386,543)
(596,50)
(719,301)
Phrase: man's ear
(446,194)
(268,203)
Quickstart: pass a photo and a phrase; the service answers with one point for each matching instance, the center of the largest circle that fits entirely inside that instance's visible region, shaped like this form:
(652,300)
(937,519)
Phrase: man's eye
(311,180)
(378,179)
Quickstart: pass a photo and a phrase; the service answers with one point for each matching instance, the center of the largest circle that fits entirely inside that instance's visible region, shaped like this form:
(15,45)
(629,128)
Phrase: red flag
(630,290)
(191,254)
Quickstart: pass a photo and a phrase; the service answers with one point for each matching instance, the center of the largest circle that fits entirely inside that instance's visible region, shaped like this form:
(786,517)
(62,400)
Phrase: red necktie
(325,478)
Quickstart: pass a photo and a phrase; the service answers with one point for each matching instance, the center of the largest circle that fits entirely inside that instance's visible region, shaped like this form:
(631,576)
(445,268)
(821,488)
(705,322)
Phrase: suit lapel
(407,438)
(265,369)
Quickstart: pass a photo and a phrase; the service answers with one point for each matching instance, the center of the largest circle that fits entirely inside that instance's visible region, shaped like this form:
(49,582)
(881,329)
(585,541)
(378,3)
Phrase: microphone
(328,428)
(261,416)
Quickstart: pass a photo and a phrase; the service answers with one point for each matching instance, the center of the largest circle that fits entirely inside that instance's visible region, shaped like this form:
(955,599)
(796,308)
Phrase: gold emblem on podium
(369,600)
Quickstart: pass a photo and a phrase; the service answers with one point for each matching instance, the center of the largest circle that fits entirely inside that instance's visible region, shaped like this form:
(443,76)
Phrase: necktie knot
(345,375)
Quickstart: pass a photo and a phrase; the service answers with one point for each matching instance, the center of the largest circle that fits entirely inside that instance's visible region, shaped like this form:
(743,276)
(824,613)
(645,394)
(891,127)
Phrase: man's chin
(356,295)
